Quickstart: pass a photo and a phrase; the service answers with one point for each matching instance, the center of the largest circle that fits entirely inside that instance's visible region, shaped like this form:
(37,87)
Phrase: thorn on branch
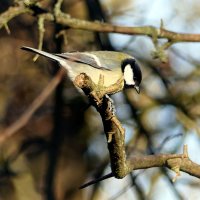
(161,24)
(177,170)
(185,151)
(175,163)
(63,34)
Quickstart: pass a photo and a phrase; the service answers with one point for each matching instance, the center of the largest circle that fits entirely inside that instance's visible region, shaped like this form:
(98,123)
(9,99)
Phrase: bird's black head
(132,74)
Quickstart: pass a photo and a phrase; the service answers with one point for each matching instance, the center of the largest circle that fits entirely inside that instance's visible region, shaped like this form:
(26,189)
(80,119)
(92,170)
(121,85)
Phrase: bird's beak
(137,88)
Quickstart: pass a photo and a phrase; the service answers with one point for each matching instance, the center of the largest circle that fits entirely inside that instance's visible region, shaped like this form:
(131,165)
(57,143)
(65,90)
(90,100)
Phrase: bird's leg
(101,90)
(98,92)
(116,87)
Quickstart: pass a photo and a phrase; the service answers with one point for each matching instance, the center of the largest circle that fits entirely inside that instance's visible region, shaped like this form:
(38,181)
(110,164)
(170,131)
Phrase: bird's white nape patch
(95,58)
(128,75)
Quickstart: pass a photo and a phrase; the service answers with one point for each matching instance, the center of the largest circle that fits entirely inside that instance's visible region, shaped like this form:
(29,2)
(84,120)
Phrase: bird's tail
(43,53)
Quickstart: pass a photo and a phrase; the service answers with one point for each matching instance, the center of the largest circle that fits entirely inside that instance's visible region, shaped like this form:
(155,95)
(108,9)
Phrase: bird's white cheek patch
(128,75)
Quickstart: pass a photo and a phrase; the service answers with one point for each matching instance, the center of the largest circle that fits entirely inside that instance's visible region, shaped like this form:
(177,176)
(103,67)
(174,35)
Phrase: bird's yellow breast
(110,77)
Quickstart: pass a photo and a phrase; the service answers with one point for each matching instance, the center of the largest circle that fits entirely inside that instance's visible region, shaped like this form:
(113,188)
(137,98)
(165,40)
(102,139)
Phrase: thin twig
(41,31)
(96,180)
(66,21)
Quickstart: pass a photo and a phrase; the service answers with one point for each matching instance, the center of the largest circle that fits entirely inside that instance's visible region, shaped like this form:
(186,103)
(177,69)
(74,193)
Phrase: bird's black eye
(137,74)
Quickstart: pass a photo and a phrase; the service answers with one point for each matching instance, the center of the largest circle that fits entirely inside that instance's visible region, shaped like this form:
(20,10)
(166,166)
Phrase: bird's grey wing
(85,58)
(112,59)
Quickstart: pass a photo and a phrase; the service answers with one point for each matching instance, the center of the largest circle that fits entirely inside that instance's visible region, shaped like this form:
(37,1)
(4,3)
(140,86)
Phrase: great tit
(112,65)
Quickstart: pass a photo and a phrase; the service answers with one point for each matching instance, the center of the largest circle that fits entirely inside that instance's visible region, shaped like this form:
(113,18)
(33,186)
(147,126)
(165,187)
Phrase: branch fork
(115,133)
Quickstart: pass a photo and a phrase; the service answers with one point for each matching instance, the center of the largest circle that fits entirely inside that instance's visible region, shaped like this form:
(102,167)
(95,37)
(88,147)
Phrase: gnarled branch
(115,134)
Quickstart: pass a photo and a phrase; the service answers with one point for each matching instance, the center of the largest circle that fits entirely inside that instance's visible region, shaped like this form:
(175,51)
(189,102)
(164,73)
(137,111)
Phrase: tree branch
(12,12)
(115,134)
(67,21)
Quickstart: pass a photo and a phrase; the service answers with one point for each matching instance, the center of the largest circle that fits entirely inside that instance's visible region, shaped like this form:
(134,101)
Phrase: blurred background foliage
(63,144)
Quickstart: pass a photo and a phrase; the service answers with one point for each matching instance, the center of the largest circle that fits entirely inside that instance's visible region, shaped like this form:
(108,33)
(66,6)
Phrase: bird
(112,65)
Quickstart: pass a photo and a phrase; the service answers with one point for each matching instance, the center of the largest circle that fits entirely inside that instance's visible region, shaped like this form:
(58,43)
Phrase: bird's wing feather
(85,58)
